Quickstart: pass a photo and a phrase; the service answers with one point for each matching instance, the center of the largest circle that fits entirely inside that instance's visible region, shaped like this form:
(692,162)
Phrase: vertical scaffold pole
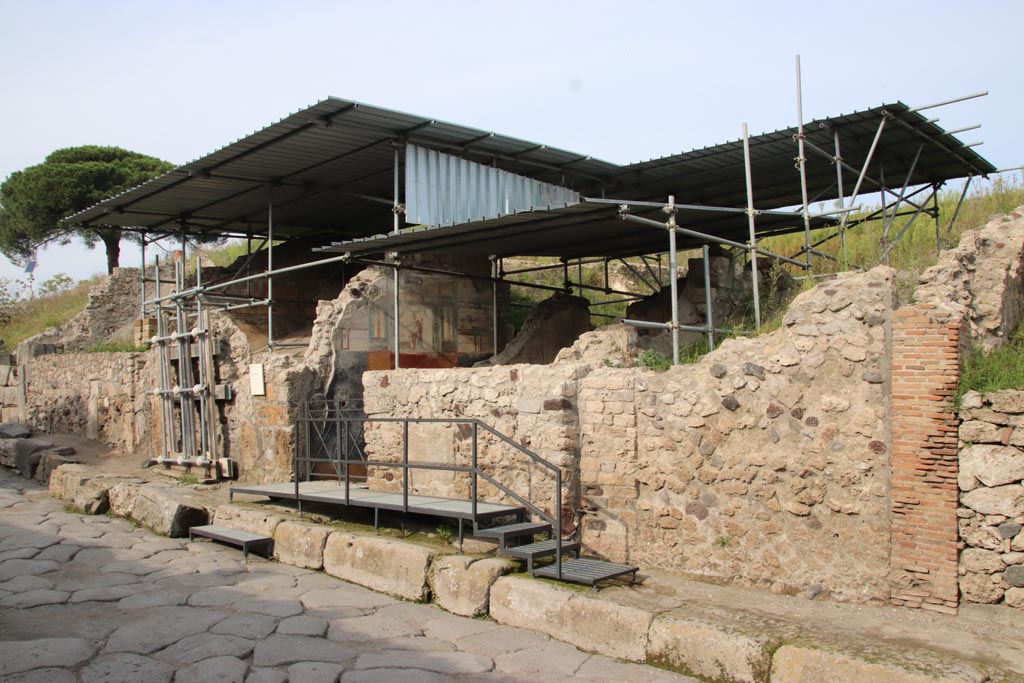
(494,302)
(395,203)
(142,311)
(839,187)
(707,299)
(674,286)
(802,162)
(938,223)
(270,269)
(397,315)
(752,229)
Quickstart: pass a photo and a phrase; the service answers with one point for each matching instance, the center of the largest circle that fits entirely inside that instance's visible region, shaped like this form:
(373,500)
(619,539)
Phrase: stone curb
(676,639)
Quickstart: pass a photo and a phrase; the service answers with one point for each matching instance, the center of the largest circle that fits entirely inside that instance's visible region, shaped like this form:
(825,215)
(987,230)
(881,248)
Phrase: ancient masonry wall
(973,297)
(926,364)
(767,463)
(534,405)
(88,393)
(991,487)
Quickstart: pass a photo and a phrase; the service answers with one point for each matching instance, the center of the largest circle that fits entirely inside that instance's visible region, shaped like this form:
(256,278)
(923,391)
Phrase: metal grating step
(242,539)
(512,531)
(533,551)
(587,570)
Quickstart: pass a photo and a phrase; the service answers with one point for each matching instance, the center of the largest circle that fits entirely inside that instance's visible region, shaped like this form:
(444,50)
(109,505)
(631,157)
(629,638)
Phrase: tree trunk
(112,242)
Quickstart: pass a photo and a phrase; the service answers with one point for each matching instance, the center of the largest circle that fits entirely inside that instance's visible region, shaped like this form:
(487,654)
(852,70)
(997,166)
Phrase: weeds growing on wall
(1001,368)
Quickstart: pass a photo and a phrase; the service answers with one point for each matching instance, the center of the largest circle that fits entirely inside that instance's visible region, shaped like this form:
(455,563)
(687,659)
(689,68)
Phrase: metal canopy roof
(332,165)
(590,228)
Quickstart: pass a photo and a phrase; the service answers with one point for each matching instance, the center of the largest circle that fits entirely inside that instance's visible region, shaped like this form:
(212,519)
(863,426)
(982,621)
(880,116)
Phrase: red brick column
(928,344)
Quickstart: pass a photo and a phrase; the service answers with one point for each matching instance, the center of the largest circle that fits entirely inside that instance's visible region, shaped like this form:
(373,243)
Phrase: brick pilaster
(927,351)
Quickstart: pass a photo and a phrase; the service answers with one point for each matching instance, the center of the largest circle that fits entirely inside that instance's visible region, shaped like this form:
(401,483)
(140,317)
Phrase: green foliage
(34,202)
(445,534)
(188,479)
(918,248)
(116,348)
(22,317)
(653,360)
(1001,368)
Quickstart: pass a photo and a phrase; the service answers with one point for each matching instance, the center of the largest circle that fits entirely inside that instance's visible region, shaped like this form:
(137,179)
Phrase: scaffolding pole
(270,268)
(802,162)
(707,298)
(839,188)
(673,283)
(751,227)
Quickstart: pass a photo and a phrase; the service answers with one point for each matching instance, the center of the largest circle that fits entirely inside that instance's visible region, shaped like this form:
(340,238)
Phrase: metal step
(513,531)
(533,551)
(242,539)
(586,570)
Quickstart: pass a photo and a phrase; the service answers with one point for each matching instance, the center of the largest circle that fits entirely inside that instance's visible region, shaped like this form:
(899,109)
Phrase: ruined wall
(984,273)
(113,306)
(991,498)
(532,404)
(93,394)
(444,322)
(767,463)
(553,324)
(973,297)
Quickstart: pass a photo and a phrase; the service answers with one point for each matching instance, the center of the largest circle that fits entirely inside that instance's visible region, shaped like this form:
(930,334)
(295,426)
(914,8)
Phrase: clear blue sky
(623,81)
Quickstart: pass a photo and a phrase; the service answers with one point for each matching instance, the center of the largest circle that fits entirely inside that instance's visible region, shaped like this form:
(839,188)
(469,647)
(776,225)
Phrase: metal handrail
(405,465)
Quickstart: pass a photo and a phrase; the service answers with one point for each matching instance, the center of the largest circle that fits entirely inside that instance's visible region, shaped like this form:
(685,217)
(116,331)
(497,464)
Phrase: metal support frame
(752,251)
(802,163)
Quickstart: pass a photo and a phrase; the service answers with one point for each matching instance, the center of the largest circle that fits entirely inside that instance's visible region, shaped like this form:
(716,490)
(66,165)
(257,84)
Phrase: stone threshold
(649,624)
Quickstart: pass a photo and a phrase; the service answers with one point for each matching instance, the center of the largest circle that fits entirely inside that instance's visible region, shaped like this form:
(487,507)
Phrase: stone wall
(991,487)
(93,394)
(984,273)
(534,405)
(767,463)
(113,306)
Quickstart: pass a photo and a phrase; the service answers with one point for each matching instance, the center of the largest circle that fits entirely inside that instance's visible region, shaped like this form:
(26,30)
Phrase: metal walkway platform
(331,493)
(587,570)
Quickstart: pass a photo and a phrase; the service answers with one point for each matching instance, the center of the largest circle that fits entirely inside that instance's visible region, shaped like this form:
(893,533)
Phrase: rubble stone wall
(767,463)
(534,405)
(991,488)
(93,394)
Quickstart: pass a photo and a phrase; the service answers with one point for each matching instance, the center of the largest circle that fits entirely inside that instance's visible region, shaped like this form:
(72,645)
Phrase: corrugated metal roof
(328,162)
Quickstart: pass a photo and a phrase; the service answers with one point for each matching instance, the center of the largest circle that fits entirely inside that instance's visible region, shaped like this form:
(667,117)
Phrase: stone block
(82,488)
(798,664)
(381,564)
(300,544)
(26,457)
(122,497)
(462,584)
(708,650)
(168,511)
(590,623)
(50,461)
(251,518)
(1000,500)
(991,465)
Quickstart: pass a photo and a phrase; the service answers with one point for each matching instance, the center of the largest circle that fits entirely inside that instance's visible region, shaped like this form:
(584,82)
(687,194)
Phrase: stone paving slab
(110,602)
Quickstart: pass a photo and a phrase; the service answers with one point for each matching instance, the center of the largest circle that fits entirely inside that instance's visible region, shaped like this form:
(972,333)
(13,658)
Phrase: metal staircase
(332,449)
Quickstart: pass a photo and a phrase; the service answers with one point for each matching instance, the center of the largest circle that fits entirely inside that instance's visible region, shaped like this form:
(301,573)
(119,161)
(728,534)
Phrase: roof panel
(321,157)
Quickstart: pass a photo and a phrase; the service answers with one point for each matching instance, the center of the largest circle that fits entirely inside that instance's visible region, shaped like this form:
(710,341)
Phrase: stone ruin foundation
(822,457)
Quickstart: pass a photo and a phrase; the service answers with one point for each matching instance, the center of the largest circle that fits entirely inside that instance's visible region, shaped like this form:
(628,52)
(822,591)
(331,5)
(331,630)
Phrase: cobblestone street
(91,598)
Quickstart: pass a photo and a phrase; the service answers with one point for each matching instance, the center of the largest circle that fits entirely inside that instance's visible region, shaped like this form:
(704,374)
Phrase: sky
(621,81)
